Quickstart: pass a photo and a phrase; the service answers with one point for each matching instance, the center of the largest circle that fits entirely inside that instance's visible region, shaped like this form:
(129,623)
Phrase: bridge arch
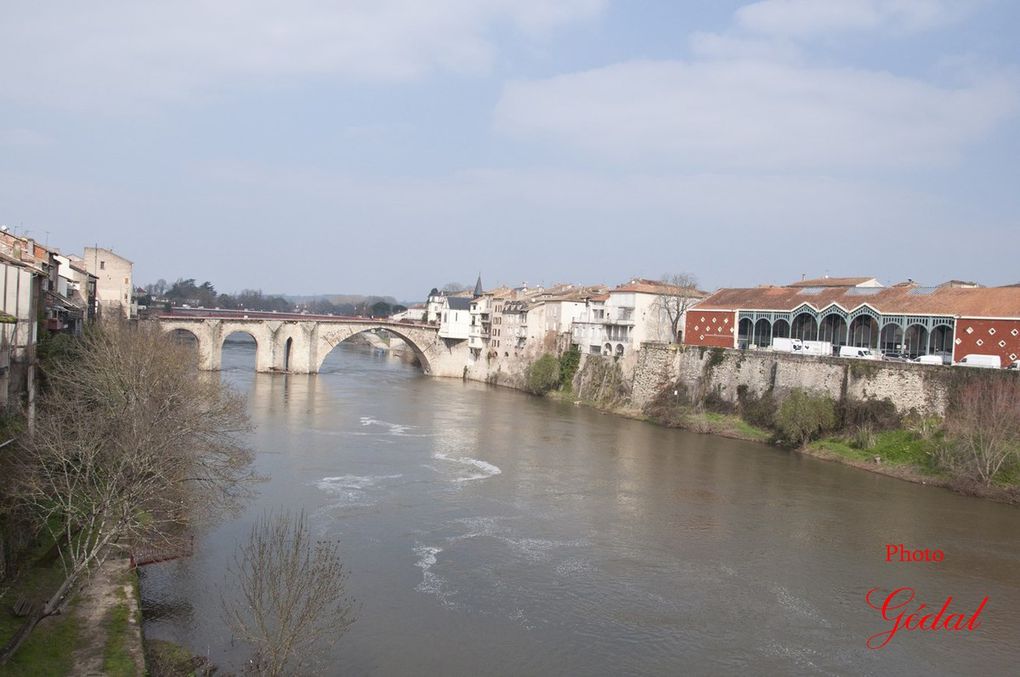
(208,357)
(330,338)
(229,333)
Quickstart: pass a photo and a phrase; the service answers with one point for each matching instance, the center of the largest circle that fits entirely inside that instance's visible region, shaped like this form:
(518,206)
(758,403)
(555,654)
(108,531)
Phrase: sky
(389,146)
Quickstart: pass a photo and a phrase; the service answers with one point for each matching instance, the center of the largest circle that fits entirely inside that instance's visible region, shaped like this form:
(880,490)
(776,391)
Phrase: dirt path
(109,594)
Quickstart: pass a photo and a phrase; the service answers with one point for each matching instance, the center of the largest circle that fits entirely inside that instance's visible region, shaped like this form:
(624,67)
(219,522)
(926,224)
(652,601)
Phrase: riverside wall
(924,389)
(632,383)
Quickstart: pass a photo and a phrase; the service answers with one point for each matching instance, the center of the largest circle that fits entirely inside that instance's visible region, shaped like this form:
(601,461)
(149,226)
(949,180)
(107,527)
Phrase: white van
(786,345)
(857,352)
(984,361)
(821,348)
(929,359)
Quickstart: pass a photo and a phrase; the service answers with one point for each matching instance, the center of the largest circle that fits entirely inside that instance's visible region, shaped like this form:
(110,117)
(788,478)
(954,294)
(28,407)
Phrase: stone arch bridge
(299,344)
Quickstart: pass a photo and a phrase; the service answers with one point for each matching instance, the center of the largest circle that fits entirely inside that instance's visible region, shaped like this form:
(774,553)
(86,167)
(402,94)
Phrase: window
(102,265)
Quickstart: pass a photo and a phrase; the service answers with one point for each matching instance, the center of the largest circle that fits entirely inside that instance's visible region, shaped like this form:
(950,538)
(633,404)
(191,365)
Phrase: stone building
(113,281)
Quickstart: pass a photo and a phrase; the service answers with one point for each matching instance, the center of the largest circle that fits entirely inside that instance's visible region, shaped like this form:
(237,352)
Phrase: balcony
(623,319)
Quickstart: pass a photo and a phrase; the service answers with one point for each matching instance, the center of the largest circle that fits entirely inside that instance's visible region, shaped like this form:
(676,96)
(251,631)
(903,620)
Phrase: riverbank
(900,454)
(98,632)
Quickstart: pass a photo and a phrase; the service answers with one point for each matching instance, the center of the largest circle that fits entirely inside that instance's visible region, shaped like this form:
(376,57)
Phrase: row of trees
(190,292)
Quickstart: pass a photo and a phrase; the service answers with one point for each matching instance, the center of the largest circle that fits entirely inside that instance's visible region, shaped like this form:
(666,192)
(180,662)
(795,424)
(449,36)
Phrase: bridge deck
(221,314)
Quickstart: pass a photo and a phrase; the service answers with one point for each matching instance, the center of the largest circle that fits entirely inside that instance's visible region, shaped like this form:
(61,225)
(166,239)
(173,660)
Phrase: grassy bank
(48,650)
(117,658)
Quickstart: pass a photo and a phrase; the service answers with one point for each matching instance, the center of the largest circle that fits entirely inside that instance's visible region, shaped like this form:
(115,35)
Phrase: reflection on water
(491,532)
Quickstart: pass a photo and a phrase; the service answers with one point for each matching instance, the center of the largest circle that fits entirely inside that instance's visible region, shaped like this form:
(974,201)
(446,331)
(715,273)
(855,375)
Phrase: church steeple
(478,286)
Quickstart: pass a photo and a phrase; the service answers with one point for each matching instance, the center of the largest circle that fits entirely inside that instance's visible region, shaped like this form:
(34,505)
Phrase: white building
(113,280)
(455,318)
(631,314)
(416,313)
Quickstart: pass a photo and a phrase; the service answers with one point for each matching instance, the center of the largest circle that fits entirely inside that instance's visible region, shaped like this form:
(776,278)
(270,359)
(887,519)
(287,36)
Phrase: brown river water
(490,532)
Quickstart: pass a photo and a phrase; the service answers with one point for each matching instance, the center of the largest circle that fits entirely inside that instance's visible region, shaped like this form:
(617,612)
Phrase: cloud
(130,53)
(807,18)
(758,103)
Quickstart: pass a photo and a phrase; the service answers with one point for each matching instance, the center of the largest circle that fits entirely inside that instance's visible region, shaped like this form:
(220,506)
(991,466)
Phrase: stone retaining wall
(919,387)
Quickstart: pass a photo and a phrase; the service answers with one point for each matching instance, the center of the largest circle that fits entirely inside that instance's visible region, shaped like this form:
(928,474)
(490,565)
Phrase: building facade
(906,318)
(113,281)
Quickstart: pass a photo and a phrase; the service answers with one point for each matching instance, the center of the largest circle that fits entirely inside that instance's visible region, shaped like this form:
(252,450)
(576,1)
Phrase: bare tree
(679,293)
(291,604)
(453,287)
(131,443)
(983,427)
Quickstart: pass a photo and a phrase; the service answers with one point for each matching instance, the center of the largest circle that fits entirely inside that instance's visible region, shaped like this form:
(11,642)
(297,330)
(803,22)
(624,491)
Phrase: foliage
(670,407)
(877,415)
(543,374)
(291,604)
(166,659)
(863,436)
(53,348)
(716,356)
(760,410)
(49,651)
(895,447)
(189,292)
(130,444)
(982,429)
(803,417)
(569,362)
(714,401)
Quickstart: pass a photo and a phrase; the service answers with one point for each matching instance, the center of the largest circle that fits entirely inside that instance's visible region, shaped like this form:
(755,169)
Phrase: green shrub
(863,437)
(803,417)
(878,415)
(758,411)
(543,374)
(569,362)
(715,402)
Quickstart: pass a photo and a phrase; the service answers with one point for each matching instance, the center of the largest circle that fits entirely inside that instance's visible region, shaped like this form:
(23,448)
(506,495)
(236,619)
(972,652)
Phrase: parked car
(984,361)
(893,356)
(1014,365)
(929,359)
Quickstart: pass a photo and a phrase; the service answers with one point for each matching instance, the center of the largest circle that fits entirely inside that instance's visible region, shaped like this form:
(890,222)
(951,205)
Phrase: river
(490,532)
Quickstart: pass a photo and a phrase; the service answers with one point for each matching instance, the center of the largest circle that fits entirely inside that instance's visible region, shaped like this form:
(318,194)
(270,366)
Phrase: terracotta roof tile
(657,287)
(833,282)
(957,301)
